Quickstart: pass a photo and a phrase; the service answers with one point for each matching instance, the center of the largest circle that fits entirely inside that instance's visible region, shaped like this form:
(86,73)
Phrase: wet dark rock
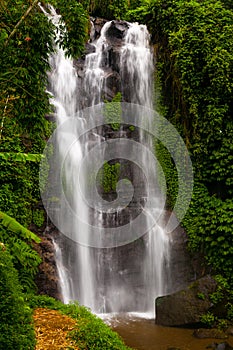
(89,48)
(203,333)
(114,58)
(117,30)
(79,65)
(112,85)
(98,25)
(52,117)
(185,307)
(212,346)
(185,267)
(220,346)
(110,59)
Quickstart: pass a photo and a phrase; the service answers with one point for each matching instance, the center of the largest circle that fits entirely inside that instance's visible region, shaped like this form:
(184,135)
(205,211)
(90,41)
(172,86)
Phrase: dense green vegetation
(16,328)
(108,177)
(18,243)
(194,49)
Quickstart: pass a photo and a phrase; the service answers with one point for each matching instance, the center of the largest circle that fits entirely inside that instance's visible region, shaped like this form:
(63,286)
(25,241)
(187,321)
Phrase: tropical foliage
(17,240)
(194,49)
(194,77)
(16,328)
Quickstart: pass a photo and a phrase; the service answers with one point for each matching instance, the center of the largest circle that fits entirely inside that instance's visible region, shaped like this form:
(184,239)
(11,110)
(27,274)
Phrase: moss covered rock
(185,307)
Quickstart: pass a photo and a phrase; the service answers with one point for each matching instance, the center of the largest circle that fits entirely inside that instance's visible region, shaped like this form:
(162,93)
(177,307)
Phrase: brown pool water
(143,334)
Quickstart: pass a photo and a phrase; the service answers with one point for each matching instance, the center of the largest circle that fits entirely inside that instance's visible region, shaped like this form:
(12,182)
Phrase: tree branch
(21,20)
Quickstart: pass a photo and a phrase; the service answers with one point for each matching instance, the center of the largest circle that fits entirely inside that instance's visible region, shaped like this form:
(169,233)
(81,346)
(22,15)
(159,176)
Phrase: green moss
(108,177)
(38,217)
(201,296)
(112,112)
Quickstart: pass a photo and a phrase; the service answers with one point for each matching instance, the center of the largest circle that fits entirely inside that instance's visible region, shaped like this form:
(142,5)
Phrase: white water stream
(93,276)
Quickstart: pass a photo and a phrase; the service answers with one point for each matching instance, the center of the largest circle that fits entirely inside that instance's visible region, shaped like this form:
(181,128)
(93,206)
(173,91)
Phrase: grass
(89,331)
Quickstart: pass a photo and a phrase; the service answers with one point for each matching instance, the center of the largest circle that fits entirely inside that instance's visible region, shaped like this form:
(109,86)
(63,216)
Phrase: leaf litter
(51,329)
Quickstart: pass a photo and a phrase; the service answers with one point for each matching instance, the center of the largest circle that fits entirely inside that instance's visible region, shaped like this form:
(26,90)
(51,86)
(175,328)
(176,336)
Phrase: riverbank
(72,326)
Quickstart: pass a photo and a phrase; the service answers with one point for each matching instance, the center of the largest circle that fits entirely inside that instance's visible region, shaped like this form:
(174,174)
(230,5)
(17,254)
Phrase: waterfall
(109,279)
(94,74)
(63,88)
(137,75)
(137,66)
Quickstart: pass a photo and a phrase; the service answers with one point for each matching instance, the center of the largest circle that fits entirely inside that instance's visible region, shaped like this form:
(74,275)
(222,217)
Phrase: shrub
(208,319)
(16,328)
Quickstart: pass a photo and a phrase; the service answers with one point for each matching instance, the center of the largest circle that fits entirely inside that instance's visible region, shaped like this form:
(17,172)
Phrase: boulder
(117,30)
(98,25)
(89,48)
(185,307)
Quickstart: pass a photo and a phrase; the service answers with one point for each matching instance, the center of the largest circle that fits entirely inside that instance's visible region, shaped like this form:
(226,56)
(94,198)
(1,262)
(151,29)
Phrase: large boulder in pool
(185,307)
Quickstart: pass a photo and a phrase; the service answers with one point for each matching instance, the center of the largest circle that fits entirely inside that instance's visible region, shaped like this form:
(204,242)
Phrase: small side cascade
(137,66)
(137,70)
(94,74)
(62,274)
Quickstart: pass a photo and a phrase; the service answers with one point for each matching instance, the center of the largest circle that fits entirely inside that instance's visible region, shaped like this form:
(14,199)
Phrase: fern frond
(27,282)
(26,255)
(13,225)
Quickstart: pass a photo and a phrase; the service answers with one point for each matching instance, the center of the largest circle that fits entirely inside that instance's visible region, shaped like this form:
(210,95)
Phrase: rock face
(110,61)
(184,267)
(185,307)
(47,277)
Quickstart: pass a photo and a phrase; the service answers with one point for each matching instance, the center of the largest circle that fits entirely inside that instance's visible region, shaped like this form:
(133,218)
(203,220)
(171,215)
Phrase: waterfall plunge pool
(140,332)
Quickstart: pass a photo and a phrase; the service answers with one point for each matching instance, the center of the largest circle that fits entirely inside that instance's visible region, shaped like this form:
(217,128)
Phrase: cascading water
(94,74)
(62,274)
(63,86)
(105,279)
(137,73)
(137,66)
